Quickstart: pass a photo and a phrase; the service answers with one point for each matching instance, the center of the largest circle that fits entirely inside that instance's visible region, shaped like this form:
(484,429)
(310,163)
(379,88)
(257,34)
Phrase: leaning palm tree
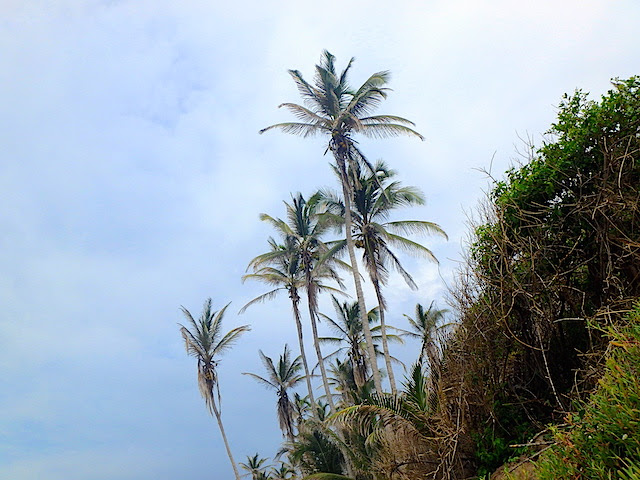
(282,377)
(304,228)
(375,197)
(280,268)
(204,340)
(334,109)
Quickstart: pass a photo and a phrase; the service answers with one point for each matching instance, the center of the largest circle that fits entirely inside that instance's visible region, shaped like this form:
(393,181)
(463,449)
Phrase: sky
(133,176)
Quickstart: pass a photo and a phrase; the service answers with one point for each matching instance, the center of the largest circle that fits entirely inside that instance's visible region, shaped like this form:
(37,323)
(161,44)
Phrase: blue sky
(133,176)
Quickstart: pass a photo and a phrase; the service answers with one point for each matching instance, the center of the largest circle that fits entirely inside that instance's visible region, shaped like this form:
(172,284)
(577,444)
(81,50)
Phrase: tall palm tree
(425,325)
(280,267)
(282,377)
(375,196)
(204,340)
(334,109)
(304,229)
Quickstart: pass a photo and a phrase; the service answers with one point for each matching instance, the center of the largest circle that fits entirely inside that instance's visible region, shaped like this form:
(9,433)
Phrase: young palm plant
(281,268)
(205,341)
(375,196)
(281,377)
(334,109)
(399,428)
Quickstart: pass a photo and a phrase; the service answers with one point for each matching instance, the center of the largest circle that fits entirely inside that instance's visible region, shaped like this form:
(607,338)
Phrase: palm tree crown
(281,377)
(374,198)
(255,466)
(205,341)
(333,108)
(425,325)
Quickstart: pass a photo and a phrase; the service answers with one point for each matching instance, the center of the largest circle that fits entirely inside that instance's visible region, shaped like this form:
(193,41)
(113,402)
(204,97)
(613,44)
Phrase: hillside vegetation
(554,263)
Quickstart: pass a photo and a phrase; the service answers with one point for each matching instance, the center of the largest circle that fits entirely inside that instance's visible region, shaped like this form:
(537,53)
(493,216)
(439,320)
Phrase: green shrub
(602,439)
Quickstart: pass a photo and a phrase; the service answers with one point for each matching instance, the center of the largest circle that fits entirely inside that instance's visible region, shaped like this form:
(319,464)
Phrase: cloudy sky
(132,177)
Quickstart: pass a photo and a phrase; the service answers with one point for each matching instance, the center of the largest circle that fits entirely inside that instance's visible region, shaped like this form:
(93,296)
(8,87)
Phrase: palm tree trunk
(383,329)
(346,193)
(316,344)
(296,314)
(423,351)
(224,439)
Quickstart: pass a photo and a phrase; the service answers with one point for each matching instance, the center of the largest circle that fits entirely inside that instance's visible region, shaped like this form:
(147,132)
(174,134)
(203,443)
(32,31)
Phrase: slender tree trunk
(434,361)
(346,193)
(296,314)
(423,351)
(383,329)
(224,439)
(359,364)
(312,315)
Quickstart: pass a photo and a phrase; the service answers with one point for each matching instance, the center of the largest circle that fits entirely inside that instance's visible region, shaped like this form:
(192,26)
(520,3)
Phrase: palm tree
(375,196)
(335,110)
(280,268)
(304,229)
(205,341)
(425,325)
(282,377)
(255,466)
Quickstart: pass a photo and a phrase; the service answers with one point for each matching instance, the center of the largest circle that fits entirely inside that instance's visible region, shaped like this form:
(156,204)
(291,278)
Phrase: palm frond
(262,380)
(408,227)
(309,94)
(230,338)
(387,130)
(411,247)
(192,345)
(280,225)
(306,116)
(296,128)
(399,268)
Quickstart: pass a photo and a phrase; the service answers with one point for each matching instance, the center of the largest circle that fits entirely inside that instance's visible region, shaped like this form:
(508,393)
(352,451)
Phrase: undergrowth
(602,439)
